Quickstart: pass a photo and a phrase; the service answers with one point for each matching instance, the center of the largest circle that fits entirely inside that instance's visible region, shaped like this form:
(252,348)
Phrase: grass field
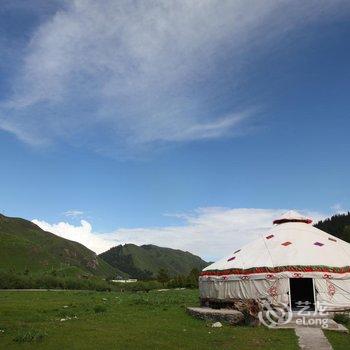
(109,320)
(339,341)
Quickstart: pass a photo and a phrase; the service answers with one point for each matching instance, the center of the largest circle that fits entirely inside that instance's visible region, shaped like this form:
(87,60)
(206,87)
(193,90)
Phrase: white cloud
(207,232)
(136,73)
(81,233)
(73,213)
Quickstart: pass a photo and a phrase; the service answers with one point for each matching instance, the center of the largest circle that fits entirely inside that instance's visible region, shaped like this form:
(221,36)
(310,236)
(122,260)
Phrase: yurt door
(302,294)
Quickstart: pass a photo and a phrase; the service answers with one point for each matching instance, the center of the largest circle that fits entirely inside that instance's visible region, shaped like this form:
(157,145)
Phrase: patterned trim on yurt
(277,269)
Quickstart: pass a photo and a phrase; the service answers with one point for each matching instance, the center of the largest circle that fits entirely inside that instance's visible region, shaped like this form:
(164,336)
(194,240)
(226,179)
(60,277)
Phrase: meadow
(125,320)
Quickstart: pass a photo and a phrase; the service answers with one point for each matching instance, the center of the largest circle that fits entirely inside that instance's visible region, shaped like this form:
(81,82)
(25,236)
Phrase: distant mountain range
(144,261)
(26,248)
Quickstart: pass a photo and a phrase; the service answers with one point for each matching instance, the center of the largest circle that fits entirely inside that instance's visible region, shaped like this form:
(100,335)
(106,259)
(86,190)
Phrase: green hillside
(145,261)
(337,225)
(26,247)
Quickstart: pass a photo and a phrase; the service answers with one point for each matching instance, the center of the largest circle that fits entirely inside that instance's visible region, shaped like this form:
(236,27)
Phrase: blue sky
(144,118)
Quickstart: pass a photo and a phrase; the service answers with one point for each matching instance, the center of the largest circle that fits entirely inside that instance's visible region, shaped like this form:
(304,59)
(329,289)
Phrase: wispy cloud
(208,232)
(338,208)
(122,75)
(73,213)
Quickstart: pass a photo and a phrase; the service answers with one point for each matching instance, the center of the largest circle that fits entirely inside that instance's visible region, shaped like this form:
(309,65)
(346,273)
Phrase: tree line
(338,225)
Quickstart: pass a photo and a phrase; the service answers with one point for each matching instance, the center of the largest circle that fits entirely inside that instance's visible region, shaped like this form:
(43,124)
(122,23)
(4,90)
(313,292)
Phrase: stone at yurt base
(222,315)
(295,265)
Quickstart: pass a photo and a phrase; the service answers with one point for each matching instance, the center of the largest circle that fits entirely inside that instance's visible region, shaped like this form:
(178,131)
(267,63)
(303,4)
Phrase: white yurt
(294,263)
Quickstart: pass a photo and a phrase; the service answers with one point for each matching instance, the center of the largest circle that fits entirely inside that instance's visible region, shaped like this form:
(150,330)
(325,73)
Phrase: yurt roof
(292,216)
(292,244)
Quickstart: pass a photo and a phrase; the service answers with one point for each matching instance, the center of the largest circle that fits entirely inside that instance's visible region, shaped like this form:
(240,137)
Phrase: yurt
(294,263)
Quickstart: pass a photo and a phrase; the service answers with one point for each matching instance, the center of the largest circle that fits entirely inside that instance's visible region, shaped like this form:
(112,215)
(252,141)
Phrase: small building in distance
(130,280)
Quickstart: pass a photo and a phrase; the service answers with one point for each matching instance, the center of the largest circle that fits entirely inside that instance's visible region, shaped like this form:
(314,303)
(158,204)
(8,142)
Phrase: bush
(342,318)
(163,276)
(11,280)
(189,281)
(100,308)
(29,336)
(55,280)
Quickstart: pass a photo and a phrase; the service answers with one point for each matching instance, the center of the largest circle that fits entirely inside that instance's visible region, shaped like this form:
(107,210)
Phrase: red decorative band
(283,221)
(264,269)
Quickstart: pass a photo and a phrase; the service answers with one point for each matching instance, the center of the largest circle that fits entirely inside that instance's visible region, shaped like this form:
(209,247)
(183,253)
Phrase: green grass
(154,320)
(340,341)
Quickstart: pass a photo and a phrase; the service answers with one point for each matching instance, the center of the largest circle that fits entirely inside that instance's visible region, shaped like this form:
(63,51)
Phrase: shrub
(10,280)
(29,336)
(163,276)
(54,280)
(342,318)
(100,308)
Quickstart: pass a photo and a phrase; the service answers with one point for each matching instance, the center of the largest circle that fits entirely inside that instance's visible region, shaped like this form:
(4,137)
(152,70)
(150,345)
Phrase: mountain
(337,225)
(24,246)
(145,261)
